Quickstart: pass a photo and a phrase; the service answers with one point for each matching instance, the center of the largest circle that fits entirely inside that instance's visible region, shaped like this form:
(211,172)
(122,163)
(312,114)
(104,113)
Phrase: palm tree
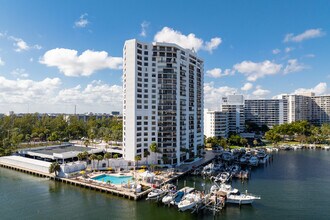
(54,168)
(86,142)
(255,142)
(28,138)
(99,158)
(107,156)
(137,158)
(153,148)
(80,156)
(146,153)
(92,157)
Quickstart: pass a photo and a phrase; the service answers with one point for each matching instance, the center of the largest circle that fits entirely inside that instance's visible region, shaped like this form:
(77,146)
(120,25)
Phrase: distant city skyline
(55,55)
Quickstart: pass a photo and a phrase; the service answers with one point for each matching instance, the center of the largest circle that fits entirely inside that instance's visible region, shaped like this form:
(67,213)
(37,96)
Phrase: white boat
(156,194)
(235,169)
(254,161)
(222,177)
(178,196)
(223,188)
(244,160)
(240,199)
(190,201)
(227,156)
(169,198)
(210,169)
(262,156)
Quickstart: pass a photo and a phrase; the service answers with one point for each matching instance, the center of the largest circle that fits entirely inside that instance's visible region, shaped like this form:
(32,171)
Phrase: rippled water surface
(296,185)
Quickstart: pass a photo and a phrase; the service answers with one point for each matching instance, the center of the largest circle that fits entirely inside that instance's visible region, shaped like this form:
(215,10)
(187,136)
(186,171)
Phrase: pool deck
(111,188)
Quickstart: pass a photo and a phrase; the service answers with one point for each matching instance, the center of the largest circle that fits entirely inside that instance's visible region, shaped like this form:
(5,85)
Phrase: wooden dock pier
(117,191)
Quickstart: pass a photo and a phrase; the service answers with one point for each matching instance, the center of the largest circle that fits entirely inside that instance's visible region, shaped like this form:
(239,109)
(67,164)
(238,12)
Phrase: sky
(58,54)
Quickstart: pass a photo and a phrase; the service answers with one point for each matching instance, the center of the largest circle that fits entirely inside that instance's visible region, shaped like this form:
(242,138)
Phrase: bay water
(296,185)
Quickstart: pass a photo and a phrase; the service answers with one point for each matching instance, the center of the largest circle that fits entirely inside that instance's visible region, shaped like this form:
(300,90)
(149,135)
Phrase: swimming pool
(113,179)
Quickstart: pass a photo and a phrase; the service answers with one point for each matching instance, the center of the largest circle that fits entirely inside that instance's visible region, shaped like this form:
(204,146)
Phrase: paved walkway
(208,157)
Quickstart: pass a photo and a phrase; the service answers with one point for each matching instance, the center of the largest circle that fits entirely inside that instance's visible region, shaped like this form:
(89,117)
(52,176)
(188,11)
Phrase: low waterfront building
(59,153)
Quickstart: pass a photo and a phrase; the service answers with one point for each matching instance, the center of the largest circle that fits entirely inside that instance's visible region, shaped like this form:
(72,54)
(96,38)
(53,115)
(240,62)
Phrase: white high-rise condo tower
(233,105)
(163,101)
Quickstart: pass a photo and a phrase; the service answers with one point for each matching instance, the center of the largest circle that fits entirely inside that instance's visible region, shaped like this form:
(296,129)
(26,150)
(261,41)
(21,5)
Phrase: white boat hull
(186,206)
(241,199)
(240,202)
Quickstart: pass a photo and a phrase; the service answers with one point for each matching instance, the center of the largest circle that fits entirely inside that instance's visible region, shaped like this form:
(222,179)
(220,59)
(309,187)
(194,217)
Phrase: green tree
(137,158)
(92,158)
(243,142)
(80,156)
(255,142)
(54,168)
(86,142)
(107,157)
(154,149)
(146,154)
(99,158)
(272,136)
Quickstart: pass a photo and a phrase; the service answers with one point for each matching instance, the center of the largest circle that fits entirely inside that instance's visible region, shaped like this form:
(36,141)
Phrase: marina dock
(117,191)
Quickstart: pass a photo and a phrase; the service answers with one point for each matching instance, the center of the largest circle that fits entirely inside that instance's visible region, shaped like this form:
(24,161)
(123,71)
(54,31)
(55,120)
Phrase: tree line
(15,130)
(232,140)
(300,131)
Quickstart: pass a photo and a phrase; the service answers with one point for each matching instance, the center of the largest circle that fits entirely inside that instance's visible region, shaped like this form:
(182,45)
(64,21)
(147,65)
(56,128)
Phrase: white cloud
(308,34)
(260,93)
(217,72)
(289,49)
(276,51)
(254,71)
(96,93)
(189,41)
(293,66)
(247,86)
(3,34)
(20,45)
(144,27)
(2,63)
(310,55)
(213,44)
(27,91)
(70,64)
(47,96)
(82,21)
(319,89)
(213,94)
(20,73)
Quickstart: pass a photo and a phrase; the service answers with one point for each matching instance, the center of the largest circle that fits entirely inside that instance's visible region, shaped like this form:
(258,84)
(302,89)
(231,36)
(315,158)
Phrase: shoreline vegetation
(299,132)
(31,130)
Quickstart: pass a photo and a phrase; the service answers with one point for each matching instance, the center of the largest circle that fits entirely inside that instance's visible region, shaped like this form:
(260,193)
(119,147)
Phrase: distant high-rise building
(233,105)
(215,123)
(163,101)
(268,112)
(307,106)
(299,106)
(320,113)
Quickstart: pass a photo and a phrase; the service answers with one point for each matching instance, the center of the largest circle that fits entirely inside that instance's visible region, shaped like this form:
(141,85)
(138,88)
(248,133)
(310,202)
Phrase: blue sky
(57,54)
